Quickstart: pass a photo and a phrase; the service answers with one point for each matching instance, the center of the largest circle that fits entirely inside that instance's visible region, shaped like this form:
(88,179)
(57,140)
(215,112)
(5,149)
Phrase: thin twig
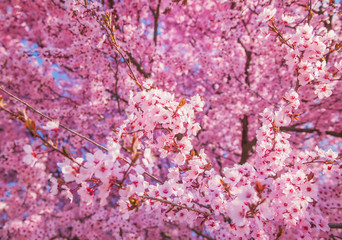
(179,205)
(47,117)
(47,143)
(72,131)
(156,18)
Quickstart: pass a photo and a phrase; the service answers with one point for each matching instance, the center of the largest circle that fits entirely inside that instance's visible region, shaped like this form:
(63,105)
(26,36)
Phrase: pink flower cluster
(177,119)
(307,56)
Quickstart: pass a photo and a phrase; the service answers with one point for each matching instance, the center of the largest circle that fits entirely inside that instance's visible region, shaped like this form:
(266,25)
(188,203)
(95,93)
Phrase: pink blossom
(54,188)
(102,40)
(282,119)
(165,190)
(305,31)
(146,160)
(291,95)
(323,90)
(338,66)
(31,157)
(70,170)
(173,173)
(197,103)
(237,212)
(267,14)
(138,184)
(87,194)
(309,190)
(179,159)
(305,78)
(287,19)
(52,125)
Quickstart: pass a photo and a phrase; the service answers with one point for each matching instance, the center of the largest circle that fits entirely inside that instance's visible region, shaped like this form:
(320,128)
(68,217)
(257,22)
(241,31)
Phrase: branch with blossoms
(205,214)
(110,30)
(31,157)
(50,119)
(32,128)
(190,180)
(276,194)
(106,22)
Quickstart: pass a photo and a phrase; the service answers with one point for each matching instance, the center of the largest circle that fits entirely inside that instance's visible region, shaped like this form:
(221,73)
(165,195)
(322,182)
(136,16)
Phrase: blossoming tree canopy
(170,119)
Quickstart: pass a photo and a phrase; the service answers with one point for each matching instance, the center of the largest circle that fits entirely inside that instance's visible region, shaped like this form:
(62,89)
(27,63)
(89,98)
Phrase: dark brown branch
(132,75)
(248,62)
(245,144)
(310,130)
(310,13)
(138,65)
(111,3)
(156,18)
(335,225)
(116,93)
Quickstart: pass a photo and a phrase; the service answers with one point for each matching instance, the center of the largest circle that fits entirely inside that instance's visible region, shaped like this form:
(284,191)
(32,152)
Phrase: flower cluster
(308,58)
(135,156)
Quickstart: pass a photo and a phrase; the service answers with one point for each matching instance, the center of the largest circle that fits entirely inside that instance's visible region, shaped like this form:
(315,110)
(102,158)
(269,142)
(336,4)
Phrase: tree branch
(72,131)
(46,142)
(245,144)
(248,62)
(310,130)
(50,119)
(138,65)
(178,205)
(335,225)
(156,18)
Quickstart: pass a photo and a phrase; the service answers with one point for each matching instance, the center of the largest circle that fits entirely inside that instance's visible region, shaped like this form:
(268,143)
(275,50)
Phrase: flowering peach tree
(170,119)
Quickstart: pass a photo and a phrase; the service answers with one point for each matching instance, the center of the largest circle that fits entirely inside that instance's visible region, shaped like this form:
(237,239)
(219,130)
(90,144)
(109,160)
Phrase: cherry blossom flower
(323,90)
(305,31)
(197,103)
(267,14)
(138,184)
(338,66)
(52,125)
(102,40)
(165,190)
(54,188)
(179,159)
(237,212)
(86,193)
(70,169)
(330,154)
(305,78)
(173,173)
(31,157)
(282,119)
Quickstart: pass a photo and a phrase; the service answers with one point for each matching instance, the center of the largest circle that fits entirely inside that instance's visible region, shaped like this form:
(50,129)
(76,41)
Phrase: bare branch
(335,225)
(310,130)
(156,18)
(245,144)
